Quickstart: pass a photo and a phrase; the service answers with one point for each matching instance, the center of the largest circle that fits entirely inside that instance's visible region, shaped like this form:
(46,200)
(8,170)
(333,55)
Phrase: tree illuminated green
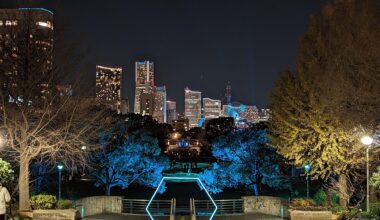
(320,109)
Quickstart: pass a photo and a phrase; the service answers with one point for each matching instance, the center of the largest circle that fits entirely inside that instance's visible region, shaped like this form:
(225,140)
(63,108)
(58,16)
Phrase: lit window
(47,24)
(1,23)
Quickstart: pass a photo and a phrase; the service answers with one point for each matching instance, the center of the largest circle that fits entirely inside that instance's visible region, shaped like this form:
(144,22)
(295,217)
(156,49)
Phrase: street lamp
(60,168)
(307,169)
(367,140)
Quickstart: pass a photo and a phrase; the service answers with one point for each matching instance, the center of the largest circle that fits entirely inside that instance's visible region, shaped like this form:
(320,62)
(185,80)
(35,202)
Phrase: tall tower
(227,100)
(108,86)
(193,107)
(144,81)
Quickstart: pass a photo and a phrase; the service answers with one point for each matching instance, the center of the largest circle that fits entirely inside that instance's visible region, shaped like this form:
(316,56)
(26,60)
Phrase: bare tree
(37,122)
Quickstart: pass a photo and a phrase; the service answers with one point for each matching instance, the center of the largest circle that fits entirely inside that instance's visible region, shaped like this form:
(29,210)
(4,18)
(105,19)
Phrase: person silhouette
(4,198)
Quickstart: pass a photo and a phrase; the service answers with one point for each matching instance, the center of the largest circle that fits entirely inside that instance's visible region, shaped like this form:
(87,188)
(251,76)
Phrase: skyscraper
(26,50)
(159,112)
(211,108)
(146,104)
(108,86)
(193,108)
(171,111)
(144,81)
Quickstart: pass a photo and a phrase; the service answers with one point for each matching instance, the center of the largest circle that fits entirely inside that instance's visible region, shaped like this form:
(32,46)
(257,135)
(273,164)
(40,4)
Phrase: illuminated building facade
(26,49)
(159,112)
(144,81)
(180,124)
(244,115)
(193,108)
(146,101)
(171,111)
(108,86)
(211,108)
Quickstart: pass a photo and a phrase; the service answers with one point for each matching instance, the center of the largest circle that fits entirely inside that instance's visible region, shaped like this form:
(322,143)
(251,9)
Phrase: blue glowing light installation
(195,179)
(35,9)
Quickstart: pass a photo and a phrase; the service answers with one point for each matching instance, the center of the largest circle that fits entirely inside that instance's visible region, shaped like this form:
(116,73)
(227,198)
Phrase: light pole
(307,169)
(367,140)
(60,168)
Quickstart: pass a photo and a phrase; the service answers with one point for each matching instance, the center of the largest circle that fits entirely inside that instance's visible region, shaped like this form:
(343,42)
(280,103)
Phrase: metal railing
(225,207)
(193,214)
(156,208)
(173,209)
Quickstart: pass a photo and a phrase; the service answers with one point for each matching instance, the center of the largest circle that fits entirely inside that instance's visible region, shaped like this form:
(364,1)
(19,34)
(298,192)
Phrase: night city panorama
(186,110)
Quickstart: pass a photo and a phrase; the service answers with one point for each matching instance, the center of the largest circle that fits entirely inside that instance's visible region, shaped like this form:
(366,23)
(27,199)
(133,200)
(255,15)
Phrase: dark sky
(197,43)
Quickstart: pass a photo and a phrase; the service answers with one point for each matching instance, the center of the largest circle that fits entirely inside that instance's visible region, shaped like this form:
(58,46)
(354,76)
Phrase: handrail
(193,214)
(173,209)
(137,207)
(225,207)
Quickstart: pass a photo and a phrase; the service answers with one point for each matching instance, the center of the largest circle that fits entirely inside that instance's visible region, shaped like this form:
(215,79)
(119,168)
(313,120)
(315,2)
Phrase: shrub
(338,209)
(375,209)
(320,197)
(43,202)
(367,215)
(335,199)
(302,202)
(64,204)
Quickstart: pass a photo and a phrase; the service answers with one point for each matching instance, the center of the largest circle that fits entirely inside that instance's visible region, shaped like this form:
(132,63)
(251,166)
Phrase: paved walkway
(234,217)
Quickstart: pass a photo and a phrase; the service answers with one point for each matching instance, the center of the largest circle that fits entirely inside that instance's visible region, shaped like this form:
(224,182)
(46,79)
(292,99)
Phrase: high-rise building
(144,81)
(193,107)
(159,112)
(108,86)
(171,111)
(26,50)
(147,104)
(211,108)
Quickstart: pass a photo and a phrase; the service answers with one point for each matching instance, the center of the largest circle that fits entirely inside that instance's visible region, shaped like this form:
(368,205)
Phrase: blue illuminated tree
(244,157)
(137,160)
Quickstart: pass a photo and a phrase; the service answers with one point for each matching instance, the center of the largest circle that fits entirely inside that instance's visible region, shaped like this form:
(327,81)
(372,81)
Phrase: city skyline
(195,48)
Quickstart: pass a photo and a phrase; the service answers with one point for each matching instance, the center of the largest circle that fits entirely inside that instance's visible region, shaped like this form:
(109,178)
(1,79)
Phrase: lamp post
(60,168)
(307,169)
(367,140)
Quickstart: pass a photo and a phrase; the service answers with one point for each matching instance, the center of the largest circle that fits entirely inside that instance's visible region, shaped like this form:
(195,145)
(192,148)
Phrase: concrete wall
(266,205)
(99,204)
(55,214)
(310,215)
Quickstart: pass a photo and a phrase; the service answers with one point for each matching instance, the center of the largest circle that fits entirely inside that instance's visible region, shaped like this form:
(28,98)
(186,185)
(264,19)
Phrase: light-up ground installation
(182,197)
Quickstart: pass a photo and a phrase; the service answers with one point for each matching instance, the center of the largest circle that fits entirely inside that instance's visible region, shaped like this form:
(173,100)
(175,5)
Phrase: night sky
(197,43)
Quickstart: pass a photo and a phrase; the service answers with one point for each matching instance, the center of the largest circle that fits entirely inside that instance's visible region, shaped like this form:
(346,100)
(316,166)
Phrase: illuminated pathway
(129,217)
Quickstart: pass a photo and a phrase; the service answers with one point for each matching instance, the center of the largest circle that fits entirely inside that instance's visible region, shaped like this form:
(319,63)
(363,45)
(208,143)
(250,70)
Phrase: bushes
(43,202)
(375,209)
(64,204)
(49,202)
(320,197)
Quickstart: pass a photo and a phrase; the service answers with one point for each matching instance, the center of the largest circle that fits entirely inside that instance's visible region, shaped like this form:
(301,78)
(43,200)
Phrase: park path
(233,217)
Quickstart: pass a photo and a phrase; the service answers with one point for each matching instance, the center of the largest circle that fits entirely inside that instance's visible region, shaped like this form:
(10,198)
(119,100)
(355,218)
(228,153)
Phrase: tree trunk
(343,193)
(108,190)
(255,189)
(23,184)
